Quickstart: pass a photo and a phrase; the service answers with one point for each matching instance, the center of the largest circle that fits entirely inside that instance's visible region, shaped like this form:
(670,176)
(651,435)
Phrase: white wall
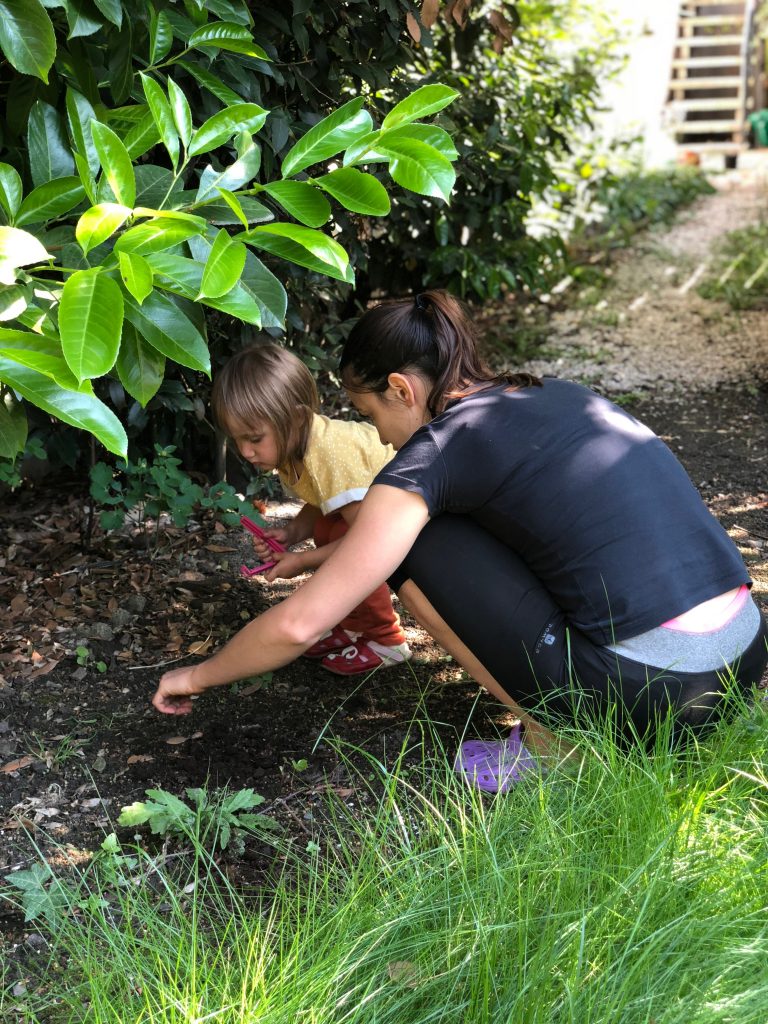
(636,100)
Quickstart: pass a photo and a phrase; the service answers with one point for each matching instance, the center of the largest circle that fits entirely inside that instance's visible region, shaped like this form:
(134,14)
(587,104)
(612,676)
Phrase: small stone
(136,603)
(103,631)
(121,618)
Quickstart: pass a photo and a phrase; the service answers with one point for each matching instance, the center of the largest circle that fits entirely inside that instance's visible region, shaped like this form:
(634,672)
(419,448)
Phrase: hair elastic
(423,303)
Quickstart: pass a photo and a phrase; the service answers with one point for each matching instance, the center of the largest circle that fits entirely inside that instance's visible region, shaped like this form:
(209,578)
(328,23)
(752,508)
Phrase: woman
(550,542)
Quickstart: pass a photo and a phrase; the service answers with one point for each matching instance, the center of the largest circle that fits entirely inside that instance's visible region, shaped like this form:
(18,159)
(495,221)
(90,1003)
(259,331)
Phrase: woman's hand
(175,691)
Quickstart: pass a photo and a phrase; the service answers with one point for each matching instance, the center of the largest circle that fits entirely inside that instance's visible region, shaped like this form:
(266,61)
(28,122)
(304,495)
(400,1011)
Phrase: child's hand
(264,551)
(288,564)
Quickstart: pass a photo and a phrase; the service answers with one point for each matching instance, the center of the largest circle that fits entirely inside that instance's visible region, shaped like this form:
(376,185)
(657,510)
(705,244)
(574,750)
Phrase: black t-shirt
(592,500)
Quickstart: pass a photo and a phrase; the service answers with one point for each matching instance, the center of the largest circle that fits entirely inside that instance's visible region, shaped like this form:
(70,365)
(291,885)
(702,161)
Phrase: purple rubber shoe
(494,766)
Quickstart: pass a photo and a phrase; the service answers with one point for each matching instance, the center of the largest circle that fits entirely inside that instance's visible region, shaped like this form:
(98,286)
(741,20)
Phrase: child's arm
(294,563)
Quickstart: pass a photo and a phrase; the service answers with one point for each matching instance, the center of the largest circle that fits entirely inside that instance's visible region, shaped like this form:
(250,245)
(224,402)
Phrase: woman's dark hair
(431,335)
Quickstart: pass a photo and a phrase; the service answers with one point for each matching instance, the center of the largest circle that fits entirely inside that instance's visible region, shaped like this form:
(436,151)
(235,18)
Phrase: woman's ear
(404,388)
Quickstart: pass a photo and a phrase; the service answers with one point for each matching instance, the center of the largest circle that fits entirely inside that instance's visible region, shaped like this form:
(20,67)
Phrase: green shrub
(133,196)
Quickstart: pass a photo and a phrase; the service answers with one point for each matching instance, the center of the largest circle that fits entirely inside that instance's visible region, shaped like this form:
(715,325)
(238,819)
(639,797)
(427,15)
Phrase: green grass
(740,274)
(630,889)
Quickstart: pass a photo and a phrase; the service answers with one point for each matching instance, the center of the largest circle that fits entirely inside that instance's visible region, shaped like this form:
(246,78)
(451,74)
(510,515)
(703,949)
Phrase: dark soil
(77,744)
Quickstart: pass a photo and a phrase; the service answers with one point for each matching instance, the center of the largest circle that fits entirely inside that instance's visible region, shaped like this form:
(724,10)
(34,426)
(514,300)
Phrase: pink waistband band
(709,616)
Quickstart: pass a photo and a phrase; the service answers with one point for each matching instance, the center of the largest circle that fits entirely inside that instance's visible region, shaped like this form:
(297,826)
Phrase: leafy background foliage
(118,110)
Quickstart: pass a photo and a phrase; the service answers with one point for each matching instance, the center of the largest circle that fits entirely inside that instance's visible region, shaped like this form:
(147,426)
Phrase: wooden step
(728,148)
(707,20)
(706,62)
(707,41)
(708,127)
(713,3)
(719,104)
(713,82)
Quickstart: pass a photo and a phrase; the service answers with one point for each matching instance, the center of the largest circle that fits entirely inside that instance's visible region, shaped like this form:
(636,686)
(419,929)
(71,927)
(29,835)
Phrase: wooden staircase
(713,76)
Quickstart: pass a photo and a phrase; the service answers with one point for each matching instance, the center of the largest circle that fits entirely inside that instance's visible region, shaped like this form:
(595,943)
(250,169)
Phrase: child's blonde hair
(267,382)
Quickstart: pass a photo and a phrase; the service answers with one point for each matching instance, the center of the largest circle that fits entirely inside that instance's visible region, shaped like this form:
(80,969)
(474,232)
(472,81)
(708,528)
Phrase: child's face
(257,443)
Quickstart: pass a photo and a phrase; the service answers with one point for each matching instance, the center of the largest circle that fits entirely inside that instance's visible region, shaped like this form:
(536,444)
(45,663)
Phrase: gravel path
(651,331)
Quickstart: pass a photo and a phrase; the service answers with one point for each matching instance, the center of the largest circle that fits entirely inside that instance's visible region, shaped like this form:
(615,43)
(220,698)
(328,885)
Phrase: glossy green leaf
(169,331)
(10,190)
(364,150)
(112,10)
(80,113)
(213,84)
(47,146)
(329,137)
(136,274)
(78,408)
(356,190)
(227,36)
(87,179)
(97,224)
(13,429)
(90,323)
(266,290)
(418,167)
(120,64)
(82,19)
(181,215)
(233,209)
(161,112)
(50,200)
(185,278)
(140,367)
(153,184)
(160,37)
(223,266)
(426,100)
(21,249)
(237,174)
(116,163)
(142,137)
(38,352)
(14,299)
(302,201)
(240,117)
(431,134)
(26,37)
(182,116)
(308,248)
(156,235)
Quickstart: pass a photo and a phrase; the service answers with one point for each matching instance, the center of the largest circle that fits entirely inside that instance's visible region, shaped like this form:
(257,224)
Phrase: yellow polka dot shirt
(341,460)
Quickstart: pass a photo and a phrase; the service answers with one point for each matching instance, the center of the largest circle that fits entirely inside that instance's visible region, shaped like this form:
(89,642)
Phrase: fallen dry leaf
(140,759)
(20,762)
(174,741)
(200,647)
(429,10)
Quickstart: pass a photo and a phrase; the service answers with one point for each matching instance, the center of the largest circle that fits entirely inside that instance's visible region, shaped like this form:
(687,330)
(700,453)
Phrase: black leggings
(510,622)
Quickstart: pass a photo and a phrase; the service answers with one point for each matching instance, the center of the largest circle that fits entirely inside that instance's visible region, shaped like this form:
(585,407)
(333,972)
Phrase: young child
(265,399)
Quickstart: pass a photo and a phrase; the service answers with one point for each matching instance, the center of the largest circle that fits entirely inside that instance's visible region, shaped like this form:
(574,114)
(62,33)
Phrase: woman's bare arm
(388,522)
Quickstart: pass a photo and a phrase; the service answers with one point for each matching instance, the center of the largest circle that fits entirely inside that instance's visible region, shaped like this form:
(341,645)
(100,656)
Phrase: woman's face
(398,412)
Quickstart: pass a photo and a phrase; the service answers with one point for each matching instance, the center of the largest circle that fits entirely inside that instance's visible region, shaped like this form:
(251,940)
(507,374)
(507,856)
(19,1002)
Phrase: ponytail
(431,335)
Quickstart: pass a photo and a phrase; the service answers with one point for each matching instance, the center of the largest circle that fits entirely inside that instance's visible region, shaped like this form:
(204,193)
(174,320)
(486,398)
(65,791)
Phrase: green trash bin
(759,124)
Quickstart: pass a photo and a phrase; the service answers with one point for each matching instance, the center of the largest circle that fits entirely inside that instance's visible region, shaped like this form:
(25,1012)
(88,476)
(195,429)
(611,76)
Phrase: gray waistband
(694,652)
